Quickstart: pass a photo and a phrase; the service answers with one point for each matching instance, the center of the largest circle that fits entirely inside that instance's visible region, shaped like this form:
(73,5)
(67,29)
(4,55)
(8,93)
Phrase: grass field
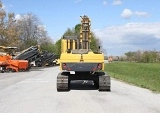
(146,75)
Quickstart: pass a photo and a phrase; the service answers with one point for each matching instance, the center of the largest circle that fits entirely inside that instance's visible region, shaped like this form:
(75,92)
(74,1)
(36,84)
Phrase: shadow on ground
(82,85)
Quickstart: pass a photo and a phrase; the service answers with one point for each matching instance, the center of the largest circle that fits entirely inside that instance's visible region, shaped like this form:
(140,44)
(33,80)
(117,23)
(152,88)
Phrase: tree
(77,29)
(95,43)
(32,32)
(2,24)
(69,32)
(29,30)
(12,33)
(130,55)
(47,45)
(8,31)
(138,56)
(58,47)
(143,56)
(150,57)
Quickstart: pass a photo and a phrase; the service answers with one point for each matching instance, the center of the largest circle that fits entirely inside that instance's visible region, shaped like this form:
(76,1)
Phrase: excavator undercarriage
(100,79)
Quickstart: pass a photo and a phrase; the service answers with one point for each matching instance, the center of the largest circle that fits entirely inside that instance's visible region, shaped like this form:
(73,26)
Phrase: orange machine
(9,64)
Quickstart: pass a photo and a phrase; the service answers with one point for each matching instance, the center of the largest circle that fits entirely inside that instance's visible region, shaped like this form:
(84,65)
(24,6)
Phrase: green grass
(146,75)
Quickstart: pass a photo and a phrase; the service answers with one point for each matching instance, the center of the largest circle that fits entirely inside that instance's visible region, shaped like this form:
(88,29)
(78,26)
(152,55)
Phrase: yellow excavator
(79,62)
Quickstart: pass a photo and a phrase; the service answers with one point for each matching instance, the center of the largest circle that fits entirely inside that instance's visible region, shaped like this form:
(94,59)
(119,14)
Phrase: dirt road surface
(35,92)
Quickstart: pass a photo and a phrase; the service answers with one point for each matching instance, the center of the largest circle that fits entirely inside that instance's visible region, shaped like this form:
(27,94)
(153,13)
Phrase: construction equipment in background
(46,59)
(79,62)
(24,60)
(37,58)
(8,64)
(30,54)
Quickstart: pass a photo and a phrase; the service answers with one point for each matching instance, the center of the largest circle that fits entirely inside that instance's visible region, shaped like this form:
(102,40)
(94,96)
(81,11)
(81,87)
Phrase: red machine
(8,64)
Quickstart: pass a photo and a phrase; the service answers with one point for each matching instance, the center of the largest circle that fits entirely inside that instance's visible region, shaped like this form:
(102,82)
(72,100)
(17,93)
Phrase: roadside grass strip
(146,75)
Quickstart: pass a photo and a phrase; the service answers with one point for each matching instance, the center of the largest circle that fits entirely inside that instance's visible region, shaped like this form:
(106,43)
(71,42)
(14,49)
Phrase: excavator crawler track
(104,82)
(62,82)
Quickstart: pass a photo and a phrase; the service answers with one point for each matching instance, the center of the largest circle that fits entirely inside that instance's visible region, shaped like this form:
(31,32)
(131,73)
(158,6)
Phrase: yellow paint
(70,44)
(87,58)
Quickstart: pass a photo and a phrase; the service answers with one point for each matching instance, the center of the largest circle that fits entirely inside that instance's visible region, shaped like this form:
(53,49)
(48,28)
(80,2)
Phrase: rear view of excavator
(79,62)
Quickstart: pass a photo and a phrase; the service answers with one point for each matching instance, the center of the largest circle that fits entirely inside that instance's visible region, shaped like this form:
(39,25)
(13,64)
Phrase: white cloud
(117,2)
(130,37)
(18,17)
(127,13)
(104,2)
(141,14)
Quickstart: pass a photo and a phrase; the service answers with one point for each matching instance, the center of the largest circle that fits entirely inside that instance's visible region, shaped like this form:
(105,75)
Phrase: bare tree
(138,56)
(28,27)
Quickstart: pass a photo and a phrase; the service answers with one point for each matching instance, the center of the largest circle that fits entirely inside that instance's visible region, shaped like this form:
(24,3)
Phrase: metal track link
(62,82)
(104,83)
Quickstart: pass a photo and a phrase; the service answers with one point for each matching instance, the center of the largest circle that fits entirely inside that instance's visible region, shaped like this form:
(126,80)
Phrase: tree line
(27,30)
(142,56)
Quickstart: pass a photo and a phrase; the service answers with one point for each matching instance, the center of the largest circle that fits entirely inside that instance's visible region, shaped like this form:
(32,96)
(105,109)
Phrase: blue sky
(122,25)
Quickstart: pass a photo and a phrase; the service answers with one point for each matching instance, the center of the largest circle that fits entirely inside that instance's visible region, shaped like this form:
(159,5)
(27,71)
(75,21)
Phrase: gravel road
(35,92)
